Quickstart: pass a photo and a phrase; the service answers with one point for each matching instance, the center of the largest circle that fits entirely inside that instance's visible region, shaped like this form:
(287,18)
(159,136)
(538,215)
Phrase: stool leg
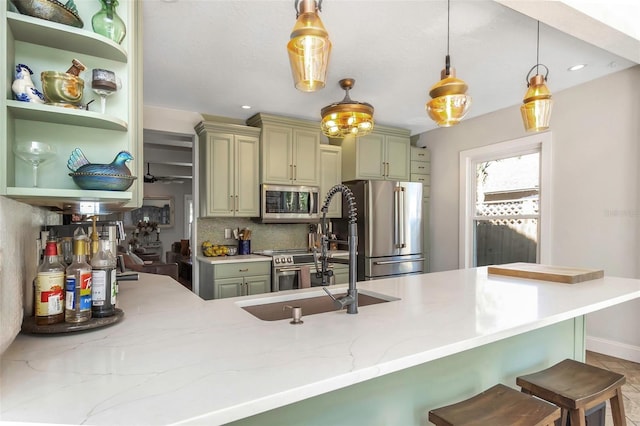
(577,417)
(617,409)
(563,419)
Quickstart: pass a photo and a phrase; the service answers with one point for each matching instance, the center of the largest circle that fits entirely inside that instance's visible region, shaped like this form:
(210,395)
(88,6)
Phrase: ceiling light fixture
(449,102)
(577,67)
(536,110)
(309,47)
(347,117)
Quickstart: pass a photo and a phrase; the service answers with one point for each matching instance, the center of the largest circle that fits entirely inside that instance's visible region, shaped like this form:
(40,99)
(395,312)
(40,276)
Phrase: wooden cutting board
(535,271)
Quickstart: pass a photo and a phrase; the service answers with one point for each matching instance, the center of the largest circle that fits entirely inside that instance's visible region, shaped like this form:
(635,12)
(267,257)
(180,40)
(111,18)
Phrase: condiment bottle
(49,287)
(78,285)
(103,281)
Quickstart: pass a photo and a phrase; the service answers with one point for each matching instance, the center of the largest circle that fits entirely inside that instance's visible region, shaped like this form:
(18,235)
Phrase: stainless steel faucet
(351,299)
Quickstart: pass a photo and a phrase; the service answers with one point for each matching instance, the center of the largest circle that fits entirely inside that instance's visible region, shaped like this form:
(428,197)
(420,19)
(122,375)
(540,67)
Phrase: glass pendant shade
(347,117)
(309,49)
(536,110)
(449,103)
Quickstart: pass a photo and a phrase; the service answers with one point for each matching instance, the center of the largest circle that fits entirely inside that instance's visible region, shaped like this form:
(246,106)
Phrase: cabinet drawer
(420,167)
(420,154)
(241,269)
(425,179)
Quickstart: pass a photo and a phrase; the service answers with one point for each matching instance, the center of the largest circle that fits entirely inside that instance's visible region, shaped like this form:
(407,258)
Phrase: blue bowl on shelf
(102,182)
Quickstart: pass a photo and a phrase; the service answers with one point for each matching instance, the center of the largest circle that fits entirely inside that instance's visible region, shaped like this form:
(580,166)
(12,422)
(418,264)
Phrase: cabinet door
(370,157)
(397,151)
(306,144)
(257,284)
(228,287)
(330,175)
(277,155)
(426,249)
(247,181)
(218,197)
(341,274)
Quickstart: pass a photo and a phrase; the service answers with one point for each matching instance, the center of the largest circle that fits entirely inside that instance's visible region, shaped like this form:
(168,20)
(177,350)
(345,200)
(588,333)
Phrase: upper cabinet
(289,150)
(330,175)
(229,185)
(383,154)
(43,45)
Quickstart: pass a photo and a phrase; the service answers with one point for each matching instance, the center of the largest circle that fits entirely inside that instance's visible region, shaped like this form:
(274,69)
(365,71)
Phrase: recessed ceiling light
(246,106)
(577,67)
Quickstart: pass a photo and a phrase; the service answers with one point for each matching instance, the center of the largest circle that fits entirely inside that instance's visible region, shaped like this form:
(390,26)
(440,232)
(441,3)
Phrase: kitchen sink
(311,303)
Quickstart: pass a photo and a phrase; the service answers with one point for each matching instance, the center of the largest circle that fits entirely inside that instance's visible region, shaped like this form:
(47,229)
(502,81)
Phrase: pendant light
(537,103)
(347,117)
(449,102)
(309,47)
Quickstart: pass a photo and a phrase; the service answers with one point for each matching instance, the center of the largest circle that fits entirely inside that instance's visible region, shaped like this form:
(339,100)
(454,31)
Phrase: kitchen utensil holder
(244,246)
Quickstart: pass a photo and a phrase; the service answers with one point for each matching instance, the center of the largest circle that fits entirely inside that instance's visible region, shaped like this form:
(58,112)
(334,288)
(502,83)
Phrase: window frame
(469,158)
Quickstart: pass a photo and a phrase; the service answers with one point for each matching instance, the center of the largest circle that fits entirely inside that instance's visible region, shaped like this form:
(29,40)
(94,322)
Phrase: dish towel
(305,276)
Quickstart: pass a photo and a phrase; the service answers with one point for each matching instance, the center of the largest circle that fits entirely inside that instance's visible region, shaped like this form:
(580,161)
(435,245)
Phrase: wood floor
(631,390)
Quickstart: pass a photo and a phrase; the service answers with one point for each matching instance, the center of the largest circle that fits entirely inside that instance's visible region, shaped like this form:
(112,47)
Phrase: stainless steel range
(295,269)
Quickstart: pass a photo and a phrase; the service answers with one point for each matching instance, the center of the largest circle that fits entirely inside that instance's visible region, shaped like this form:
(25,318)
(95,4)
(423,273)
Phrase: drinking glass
(105,83)
(35,153)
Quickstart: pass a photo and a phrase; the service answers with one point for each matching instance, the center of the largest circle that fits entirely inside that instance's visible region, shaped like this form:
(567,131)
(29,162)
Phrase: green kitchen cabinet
(383,154)
(341,273)
(229,168)
(44,45)
(289,150)
(421,172)
(232,287)
(331,175)
(219,280)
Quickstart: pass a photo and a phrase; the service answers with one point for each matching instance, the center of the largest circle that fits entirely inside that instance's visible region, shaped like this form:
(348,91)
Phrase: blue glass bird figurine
(115,176)
(23,87)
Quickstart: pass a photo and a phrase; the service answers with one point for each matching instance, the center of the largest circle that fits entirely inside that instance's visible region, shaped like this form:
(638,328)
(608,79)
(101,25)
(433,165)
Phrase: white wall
(595,205)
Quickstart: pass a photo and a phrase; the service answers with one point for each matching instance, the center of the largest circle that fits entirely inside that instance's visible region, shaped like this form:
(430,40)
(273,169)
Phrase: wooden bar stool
(576,387)
(497,406)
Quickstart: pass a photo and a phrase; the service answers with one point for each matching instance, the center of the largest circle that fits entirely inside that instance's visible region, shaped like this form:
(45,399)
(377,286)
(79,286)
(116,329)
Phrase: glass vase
(107,22)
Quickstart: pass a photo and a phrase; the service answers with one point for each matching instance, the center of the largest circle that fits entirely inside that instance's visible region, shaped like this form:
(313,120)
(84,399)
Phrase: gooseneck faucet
(351,299)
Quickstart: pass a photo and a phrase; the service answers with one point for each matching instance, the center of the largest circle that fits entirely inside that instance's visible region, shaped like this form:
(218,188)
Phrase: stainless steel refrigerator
(389,226)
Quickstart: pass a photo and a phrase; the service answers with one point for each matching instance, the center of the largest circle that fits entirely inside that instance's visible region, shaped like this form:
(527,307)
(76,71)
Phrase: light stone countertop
(178,358)
(233,259)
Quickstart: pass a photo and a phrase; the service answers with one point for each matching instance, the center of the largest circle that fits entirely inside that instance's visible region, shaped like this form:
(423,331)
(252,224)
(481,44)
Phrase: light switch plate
(227,233)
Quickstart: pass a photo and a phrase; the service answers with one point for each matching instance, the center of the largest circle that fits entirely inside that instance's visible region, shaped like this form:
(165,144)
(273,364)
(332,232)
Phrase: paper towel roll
(305,276)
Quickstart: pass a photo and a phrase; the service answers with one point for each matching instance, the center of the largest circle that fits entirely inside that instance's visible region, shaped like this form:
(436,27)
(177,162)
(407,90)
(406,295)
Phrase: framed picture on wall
(154,209)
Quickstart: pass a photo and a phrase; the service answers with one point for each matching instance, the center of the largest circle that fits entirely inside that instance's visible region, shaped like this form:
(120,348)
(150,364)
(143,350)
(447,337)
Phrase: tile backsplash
(263,236)
(19,229)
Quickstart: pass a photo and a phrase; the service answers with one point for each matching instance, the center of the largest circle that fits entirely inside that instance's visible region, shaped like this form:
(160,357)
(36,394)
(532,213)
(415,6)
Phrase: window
(503,217)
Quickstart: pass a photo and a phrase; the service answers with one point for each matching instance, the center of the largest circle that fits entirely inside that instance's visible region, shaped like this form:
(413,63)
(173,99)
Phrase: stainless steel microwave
(289,204)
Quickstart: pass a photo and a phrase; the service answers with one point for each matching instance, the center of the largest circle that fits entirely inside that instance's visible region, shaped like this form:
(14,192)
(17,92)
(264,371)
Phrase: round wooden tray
(29,324)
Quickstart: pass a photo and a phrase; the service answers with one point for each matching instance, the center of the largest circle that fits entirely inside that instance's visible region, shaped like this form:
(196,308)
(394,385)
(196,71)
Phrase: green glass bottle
(107,22)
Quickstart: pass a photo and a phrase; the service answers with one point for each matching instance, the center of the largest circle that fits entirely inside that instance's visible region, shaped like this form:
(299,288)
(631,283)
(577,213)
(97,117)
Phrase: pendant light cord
(538,50)
(448,58)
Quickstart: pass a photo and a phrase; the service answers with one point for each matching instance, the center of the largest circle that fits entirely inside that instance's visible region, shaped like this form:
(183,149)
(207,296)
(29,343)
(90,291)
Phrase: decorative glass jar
(107,22)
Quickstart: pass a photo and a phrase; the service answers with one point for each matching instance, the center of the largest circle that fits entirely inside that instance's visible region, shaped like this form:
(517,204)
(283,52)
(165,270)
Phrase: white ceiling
(213,56)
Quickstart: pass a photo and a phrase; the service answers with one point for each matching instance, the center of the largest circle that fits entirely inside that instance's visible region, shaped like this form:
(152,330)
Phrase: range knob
(276,260)
(290,259)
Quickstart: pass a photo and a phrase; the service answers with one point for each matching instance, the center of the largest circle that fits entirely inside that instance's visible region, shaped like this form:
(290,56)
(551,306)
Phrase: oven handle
(287,269)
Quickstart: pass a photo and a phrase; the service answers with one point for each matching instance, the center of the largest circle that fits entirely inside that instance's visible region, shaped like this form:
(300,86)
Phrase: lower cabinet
(231,279)
(341,273)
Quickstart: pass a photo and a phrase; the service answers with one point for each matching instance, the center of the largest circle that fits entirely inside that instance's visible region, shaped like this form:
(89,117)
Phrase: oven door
(286,278)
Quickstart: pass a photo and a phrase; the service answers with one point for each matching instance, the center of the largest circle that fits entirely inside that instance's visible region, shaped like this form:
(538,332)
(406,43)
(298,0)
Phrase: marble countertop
(178,358)
(233,259)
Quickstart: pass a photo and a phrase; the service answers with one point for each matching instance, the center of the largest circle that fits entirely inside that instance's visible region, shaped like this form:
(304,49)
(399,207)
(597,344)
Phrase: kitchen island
(176,358)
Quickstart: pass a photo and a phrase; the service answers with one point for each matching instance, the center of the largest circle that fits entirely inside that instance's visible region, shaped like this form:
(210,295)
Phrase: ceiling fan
(149,178)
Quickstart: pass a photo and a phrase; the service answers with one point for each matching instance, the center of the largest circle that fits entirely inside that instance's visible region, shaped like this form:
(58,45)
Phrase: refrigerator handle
(401,239)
